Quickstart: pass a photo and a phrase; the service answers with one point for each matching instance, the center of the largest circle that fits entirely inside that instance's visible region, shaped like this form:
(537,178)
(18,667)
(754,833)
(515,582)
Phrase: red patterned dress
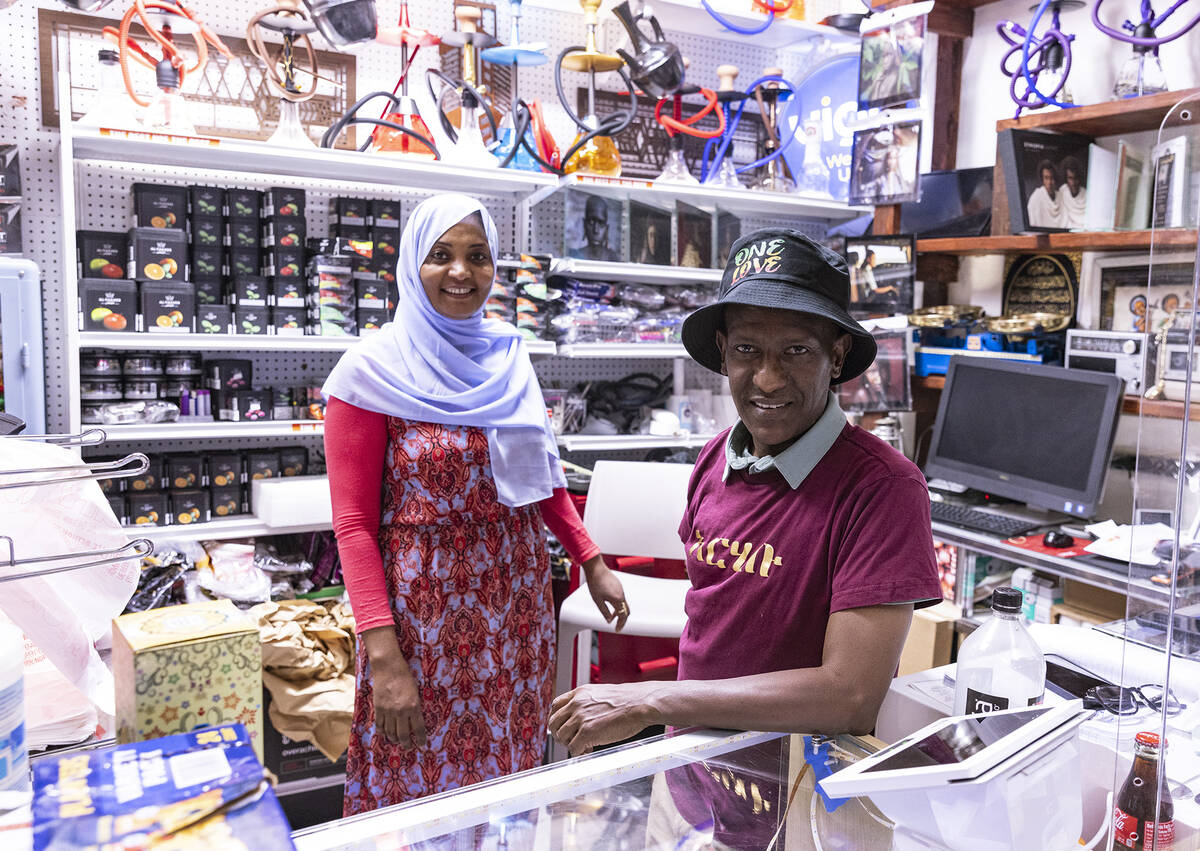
(469,584)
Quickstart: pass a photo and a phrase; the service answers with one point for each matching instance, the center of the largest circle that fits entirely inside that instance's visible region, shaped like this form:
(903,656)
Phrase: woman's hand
(606,590)
(394,692)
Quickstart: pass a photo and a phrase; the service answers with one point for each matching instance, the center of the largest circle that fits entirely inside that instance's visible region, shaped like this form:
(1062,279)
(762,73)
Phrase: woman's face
(458,272)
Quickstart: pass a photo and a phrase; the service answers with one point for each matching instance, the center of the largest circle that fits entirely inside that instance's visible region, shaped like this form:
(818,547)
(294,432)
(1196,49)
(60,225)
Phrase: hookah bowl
(599,155)
(516,54)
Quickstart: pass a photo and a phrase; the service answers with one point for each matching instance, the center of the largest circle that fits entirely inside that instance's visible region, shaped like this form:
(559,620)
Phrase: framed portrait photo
(593,226)
(649,234)
(885,385)
(694,246)
(1119,293)
(1045,176)
(885,164)
(882,272)
(889,67)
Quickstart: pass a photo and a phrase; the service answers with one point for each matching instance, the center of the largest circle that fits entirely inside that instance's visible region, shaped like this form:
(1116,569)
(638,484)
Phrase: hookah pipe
(1049,52)
(1144,34)
(676,127)
(771,81)
(290,21)
(727,95)
(470,40)
(771,8)
(171,67)
(404,110)
(524,116)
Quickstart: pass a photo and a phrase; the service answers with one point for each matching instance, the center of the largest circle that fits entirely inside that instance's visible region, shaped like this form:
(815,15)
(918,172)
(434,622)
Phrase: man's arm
(842,695)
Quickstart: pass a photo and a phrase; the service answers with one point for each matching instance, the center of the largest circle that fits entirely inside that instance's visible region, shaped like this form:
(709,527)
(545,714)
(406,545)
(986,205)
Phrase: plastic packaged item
(99,389)
(234,575)
(643,296)
(90,414)
(1000,666)
(157,411)
(141,388)
(100,364)
(141,365)
(14,756)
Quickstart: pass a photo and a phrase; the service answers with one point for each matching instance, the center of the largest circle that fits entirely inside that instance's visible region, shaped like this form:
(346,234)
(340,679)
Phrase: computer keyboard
(978,521)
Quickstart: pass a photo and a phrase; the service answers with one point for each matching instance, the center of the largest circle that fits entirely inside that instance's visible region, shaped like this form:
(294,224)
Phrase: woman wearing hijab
(442,467)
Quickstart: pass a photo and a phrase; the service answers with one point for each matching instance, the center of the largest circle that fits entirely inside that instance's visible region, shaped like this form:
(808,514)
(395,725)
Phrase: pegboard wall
(103,198)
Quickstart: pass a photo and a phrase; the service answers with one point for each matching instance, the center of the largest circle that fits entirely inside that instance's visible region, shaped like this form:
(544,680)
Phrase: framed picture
(1040,283)
(882,271)
(649,234)
(885,164)
(885,386)
(1131,210)
(729,228)
(1045,175)
(694,246)
(1120,294)
(592,230)
(889,67)
(1170,172)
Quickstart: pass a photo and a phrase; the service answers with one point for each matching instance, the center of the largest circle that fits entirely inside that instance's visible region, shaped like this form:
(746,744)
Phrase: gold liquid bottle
(599,155)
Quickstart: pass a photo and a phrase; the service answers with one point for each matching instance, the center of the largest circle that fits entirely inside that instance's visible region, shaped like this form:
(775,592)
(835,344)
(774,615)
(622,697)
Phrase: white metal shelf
(677,16)
(634,272)
(235,155)
(239,342)
(742,201)
(621,442)
(245,526)
(622,350)
(216,429)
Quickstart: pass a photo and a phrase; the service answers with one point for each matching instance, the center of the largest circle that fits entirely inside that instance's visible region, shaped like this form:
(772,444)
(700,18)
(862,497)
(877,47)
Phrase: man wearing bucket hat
(807,539)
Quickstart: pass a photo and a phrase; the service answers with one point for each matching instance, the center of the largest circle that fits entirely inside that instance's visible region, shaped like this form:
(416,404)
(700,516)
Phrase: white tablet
(957,748)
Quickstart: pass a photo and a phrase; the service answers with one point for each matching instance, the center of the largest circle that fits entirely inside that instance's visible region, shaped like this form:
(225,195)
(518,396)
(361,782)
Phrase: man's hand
(606,590)
(598,714)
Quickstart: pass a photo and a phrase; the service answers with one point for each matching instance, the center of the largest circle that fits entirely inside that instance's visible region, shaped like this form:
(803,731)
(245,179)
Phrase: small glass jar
(142,365)
(181,364)
(99,390)
(173,388)
(99,363)
(141,388)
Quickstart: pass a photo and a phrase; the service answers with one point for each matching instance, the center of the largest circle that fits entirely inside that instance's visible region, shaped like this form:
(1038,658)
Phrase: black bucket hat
(781,268)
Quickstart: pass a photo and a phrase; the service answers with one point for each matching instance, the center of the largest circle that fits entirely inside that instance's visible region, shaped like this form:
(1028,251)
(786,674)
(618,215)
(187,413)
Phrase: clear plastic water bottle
(1000,666)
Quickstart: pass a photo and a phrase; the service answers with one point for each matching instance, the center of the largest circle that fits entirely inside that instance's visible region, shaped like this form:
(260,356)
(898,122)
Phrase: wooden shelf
(1164,408)
(1118,240)
(1112,118)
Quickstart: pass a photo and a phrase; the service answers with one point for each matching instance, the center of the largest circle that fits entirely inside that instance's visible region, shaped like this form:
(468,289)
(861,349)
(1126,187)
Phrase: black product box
(10,228)
(285,261)
(206,201)
(184,471)
(251,320)
(151,480)
(245,261)
(293,461)
(101,254)
(238,406)
(108,305)
(109,486)
(214,319)
(291,760)
(387,274)
(189,506)
(369,319)
(209,292)
(243,203)
(158,206)
(226,500)
(372,294)
(224,469)
(242,233)
(208,263)
(147,509)
(289,321)
(207,232)
(289,292)
(168,307)
(351,211)
(10,171)
(262,464)
(228,374)
(385,213)
(284,231)
(283,201)
(385,243)
(353,233)
(248,291)
(157,254)
(117,503)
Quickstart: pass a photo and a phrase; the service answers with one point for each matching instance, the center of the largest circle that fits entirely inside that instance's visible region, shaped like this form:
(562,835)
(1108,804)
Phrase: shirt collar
(795,462)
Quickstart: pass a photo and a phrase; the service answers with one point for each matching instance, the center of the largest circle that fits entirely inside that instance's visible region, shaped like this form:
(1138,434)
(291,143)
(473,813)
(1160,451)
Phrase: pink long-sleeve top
(355,446)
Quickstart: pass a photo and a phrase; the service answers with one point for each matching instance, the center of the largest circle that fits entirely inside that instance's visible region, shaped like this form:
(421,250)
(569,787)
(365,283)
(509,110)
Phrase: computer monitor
(1039,434)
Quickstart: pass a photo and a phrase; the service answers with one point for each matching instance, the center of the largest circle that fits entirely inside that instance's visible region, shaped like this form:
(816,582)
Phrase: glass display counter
(688,790)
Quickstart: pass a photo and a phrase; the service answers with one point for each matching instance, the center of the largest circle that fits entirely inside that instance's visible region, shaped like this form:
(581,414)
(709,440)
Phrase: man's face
(780,364)
(1073,181)
(1048,181)
(595,226)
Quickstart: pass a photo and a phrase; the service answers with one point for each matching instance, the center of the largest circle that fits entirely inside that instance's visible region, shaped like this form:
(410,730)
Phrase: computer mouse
(1058,540)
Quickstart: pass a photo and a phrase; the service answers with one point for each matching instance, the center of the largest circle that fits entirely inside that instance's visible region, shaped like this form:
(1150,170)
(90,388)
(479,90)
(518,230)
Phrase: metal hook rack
(87,437)
(137,548)
(94,470)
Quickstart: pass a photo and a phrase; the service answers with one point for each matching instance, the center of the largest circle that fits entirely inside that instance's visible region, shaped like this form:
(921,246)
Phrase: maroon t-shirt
(769,564)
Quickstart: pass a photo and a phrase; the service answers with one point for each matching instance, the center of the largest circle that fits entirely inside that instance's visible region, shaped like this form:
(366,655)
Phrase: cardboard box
(10,228)
(929,638)
(243,203)
(206,201)
(10,171)
(107,305)
(158,206)
(248,291)
(224,469)
(228,374)
(245,261)
(284,201)
(226,500)
(157,254)
(352,212)
(208,264)
(168,307)
(252,320)
(207,231)
(290,321)
(285,261)
(214,319)
(182,666)
(293,461)
(1067,615)
(386,213)
(1109,605)
(190,506)
(370,320)
(101,254)
(244,405)
(243,233)
(148,509)
(291,760)
(284,231)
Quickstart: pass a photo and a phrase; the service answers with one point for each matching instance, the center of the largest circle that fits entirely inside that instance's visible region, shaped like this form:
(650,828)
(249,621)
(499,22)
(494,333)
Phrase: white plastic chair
(633,509)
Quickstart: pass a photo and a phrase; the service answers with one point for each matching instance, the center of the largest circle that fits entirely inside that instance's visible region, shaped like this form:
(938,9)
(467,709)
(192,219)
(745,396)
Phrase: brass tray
(1027,323)
(939,315)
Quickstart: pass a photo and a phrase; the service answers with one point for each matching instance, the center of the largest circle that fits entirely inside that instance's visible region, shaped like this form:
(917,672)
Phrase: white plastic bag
(64,614)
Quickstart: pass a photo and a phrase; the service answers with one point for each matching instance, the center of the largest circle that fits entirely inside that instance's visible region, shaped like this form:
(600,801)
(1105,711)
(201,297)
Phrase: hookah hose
(335,130)
(203,36)
(610,126)
(399,82)
(1148,21)
(1034,49)
(1027,44)
(284,83)
(546,155)
(452,85)
(771,8)
(709,167)
(677,124)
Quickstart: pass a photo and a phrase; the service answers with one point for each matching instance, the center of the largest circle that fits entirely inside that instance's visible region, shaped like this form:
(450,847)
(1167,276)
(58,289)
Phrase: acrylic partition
(1160,663)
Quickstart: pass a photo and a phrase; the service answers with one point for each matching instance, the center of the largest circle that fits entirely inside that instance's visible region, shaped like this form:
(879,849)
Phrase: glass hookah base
(290,133)
(676,171)
(774,183)
(389,141)
(725,177)
(599,156)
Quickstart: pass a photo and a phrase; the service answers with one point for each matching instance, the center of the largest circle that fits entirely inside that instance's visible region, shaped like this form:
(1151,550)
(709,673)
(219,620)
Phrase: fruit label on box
(283,201)
(107,306)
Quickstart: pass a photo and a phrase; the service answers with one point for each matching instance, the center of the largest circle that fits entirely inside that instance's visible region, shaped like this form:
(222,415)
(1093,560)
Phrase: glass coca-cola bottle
(1135,823)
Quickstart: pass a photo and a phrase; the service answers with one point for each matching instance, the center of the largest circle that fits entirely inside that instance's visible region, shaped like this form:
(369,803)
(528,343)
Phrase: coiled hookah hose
(1048,52)
(1144,34)
(292,22)
(773,77)
(777,7)
(677,127)
(470,92)
(723,174)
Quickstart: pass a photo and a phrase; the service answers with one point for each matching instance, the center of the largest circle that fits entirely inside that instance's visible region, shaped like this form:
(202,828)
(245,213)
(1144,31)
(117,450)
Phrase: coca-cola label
(1128,832)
